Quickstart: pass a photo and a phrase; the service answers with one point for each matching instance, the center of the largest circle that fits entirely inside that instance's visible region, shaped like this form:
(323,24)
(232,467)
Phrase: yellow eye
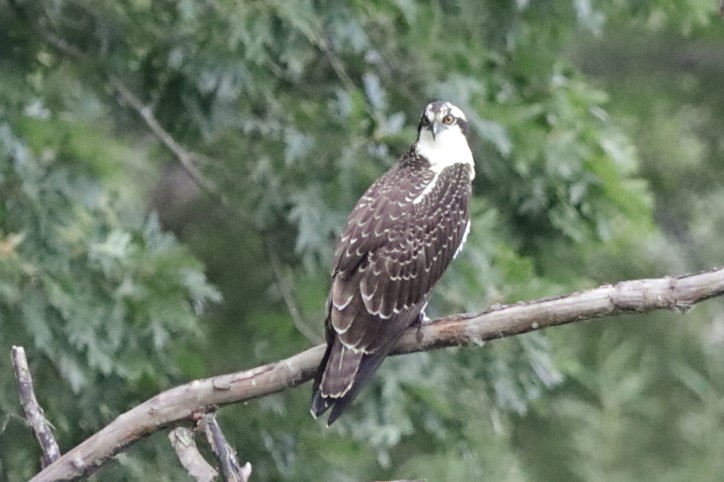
(448,119)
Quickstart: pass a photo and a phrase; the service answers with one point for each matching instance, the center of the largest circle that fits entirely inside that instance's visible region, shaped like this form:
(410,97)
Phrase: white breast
(447,148)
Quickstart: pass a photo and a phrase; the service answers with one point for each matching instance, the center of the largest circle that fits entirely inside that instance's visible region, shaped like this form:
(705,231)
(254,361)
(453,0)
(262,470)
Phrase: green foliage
(596,130)
(99,295)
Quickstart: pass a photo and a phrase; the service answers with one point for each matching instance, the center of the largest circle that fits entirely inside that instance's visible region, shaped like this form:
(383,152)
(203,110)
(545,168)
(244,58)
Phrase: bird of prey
(399,239)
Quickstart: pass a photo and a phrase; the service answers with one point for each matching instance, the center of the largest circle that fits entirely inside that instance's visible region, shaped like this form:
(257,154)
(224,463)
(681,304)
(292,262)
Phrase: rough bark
(34,416)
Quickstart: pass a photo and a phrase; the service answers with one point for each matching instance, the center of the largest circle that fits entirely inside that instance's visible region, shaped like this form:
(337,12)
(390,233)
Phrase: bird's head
(442,118)
(442,135)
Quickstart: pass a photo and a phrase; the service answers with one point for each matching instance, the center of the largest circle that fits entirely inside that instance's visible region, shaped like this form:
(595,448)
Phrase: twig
(33,23)
(287,294)
(179,403)
(231,470)
(33,412)
(182,440)
(187,159)
(334,62)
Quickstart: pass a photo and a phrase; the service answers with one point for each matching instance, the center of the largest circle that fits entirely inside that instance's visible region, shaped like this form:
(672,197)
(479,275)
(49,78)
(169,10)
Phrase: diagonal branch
(182,402)
(33,412)
(186,159)
(189,160)
(231,469)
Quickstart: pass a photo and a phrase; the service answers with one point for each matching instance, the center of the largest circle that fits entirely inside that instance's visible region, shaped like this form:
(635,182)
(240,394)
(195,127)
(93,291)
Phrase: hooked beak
(435,128)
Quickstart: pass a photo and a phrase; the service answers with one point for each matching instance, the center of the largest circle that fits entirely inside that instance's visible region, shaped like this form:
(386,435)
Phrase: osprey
(399,239)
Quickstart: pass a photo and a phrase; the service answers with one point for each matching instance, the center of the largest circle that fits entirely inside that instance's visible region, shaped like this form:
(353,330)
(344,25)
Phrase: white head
(441,136)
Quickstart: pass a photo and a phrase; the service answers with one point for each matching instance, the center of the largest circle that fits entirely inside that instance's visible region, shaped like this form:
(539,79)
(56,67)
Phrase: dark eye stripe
(463,125)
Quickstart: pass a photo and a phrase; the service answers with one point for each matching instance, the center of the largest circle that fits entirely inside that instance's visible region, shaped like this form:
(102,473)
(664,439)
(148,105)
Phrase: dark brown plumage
(399,239)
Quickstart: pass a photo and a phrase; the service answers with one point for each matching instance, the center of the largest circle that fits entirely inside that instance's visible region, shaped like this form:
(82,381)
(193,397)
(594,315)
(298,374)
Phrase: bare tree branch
(34,416)
(188,161)
(230,468)
(182,440)
(185,158)
(180,403)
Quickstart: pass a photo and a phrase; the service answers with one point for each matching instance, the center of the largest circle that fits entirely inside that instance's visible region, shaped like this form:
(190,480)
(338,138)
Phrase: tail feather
(319,403)
(341,370)
(341,377)
(368,366)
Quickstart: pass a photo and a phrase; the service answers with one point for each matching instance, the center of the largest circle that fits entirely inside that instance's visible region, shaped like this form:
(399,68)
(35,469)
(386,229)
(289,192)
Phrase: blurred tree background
(597,135)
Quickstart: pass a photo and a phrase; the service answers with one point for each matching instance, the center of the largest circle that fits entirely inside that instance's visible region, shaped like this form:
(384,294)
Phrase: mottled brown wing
(394,281)
(381,210)
(380,215)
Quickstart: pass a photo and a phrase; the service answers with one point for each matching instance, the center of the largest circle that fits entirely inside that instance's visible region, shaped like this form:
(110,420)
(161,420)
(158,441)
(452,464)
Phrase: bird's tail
(342,374)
